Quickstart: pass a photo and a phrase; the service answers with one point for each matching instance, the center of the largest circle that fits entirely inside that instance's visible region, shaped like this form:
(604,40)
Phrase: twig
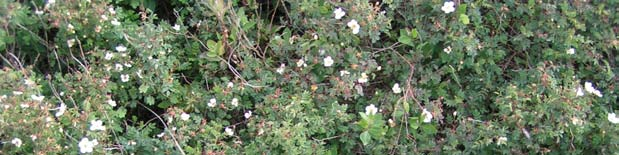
(238,75)
(21,66)
(328,138)
(166,128)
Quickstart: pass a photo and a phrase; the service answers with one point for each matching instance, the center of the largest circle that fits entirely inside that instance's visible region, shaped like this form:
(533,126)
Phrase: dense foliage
(309,77)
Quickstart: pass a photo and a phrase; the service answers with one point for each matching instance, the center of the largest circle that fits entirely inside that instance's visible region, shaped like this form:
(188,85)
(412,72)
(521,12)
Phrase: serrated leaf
(150,100)
(405,38)
(464,19)
(365,138)
(144,88)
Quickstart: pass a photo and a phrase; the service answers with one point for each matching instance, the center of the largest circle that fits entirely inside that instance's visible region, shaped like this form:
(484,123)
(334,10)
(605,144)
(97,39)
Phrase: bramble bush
(309,77)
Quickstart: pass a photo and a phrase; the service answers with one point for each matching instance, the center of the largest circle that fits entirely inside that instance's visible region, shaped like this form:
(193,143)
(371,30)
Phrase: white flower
(29,82)
(448,7)
(230,85)
(86,146)
(363,78)
(371,109)
(212,102)
(119,67)
(339,13)
(161,134)
(427,116)
(121,48)
(301,62)
(33,137)
(37,97)
(177,27)
(104,17)
(328,61)
(109,56)
(139,73)
(49,3)
(344,72)
(71,42)
(447,49)
(124,78)
(111,102)
(61,109)
(96,125)
(128,65)
(111,10)
(597,93)
(229,131)
(589,88)
(613,118)
(379,68)
(17,92)
(70,27)
(98,29)
(115,22)
(17,142)
(315,36)
(579,91)
(247,114)
(391,122)
(576,121)
(185,116)
(281,68)
(571,51)
(354,26)
(38,12)
(501,140)
(235,102)
(396,88)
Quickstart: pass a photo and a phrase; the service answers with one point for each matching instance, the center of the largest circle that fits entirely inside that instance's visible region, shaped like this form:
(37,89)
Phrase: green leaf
(464,19)
(214,48)
(414,33)
(413,122)
(377,131)
(144,88)
(2,42)
(406,106)
(461,8)
(211,44)
(333,150)
(365,138)
(429,129)
(150,100)
(121,112)
(405,38)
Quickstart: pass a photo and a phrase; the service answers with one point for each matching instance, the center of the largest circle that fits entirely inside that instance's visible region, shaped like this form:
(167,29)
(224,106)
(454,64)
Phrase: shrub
(308,77)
